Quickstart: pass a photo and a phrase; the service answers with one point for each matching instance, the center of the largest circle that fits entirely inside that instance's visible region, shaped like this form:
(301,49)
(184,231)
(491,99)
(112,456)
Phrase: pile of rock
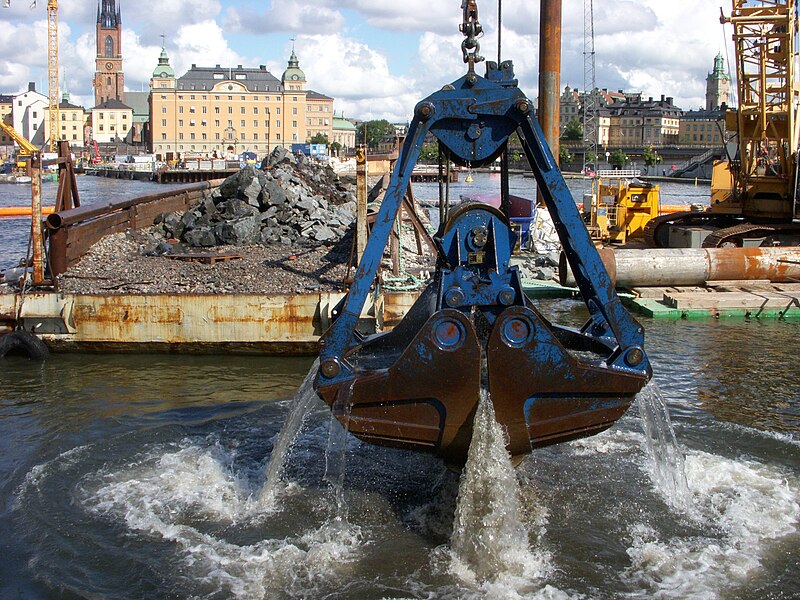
(292,201)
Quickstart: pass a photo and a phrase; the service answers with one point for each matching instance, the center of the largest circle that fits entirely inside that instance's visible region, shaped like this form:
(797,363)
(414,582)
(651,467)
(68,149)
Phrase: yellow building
(112,121)
(71,119)
(222,111)
(6,143)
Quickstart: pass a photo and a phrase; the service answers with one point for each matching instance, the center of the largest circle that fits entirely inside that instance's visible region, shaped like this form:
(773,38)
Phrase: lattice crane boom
(52,67)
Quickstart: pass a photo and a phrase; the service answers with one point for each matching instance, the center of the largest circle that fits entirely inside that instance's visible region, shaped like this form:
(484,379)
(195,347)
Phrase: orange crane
(52,66)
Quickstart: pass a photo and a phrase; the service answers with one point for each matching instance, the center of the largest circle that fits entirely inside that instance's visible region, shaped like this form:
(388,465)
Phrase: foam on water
(490,546)
(304,399)
(748,504)
(190,497)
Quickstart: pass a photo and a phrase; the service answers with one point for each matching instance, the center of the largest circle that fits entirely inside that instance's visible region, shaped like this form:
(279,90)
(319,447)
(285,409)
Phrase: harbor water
(14,233)
(136,476)
(143,476)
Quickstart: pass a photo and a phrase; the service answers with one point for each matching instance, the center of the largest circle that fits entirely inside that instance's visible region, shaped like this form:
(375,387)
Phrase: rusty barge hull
(285,324)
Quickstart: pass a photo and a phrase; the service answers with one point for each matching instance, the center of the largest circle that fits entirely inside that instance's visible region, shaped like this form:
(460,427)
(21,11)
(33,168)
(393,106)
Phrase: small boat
(22,179)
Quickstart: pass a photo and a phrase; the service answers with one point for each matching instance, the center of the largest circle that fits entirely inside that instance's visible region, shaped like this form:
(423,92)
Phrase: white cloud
(298,16)
(356,76)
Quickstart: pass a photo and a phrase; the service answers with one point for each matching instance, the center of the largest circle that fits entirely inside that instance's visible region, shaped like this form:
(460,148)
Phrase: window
(191,136)
(294,98)
(277,111)
(216,123)
(255,136)
(244,135)
(163,136)
(203,123)
(278,123)
(63,117)
(163,122)
(216,136)
(205,136)
(255,122)
(109,46)
(230,110)
(180,135)
(241,110)
(294,110)
(192,108)
(216,110)
(230,123)
(277,136)
(294,124)
(100,127)
(163,110)
(180,122)
(180,109)
(124,117)
(205,109)
(241,123)
(191,123)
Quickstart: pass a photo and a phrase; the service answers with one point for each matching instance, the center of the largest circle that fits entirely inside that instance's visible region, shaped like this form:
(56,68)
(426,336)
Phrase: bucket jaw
(473,328)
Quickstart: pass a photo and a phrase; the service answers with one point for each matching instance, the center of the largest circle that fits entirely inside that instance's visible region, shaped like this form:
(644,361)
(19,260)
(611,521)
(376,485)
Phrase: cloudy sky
(377,58)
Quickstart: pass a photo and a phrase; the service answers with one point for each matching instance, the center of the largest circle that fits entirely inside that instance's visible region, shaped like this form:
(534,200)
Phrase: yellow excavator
(754,195)
(26,149)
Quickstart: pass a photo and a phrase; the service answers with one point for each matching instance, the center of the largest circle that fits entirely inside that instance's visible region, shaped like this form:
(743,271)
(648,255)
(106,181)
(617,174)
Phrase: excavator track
(731,236)
(656,231)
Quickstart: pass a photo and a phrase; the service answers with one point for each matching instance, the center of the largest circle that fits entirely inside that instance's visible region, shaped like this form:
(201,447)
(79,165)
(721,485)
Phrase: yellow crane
(52,66)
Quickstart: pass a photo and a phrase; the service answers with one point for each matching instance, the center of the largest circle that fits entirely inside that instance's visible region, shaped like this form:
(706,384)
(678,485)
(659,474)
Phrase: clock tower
(109,81)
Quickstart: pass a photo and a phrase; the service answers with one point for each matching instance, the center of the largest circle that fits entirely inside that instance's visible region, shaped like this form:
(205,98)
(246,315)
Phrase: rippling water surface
(14,232)
(141,476)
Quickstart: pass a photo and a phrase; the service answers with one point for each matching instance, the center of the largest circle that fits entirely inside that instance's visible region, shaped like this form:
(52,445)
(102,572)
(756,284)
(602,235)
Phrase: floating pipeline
(693,266)
(16,212)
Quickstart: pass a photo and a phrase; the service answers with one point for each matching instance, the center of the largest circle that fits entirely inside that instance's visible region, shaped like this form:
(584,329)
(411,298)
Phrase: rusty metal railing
(72,232)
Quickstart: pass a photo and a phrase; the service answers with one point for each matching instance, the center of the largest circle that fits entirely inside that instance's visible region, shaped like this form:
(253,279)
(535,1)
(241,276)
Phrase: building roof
(342,124)
(163,69)
(638,106)
(108,17)
(139,102)
(6,99)
(205,78)
(112,104)
(293,72)
(312,95)
(67,105)
(702,115)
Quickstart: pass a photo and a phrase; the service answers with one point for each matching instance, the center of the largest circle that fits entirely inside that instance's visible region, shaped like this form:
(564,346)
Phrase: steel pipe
(550,72)
(694,266)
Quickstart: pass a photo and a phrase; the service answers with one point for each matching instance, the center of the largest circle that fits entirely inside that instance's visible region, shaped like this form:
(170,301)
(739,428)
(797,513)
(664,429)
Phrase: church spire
(108,16)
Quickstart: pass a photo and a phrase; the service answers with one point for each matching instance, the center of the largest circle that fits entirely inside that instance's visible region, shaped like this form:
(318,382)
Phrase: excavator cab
(473,329)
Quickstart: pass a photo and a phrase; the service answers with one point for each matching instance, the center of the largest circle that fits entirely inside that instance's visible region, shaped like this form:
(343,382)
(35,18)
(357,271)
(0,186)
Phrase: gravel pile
(117,264)
(295,202)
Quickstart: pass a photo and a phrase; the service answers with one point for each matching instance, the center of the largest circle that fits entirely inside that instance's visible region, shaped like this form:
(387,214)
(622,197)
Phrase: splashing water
(490,541)
(336,450)
(667,468)
(302,403)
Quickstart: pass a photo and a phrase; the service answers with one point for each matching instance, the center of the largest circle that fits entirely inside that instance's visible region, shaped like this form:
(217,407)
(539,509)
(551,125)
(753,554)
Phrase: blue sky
(377,58)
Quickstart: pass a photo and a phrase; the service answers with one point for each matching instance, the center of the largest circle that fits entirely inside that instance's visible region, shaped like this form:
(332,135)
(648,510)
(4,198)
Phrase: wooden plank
(729,300)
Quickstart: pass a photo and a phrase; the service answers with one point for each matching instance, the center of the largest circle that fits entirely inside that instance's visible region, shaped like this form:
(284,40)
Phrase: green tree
(573,131)
(320,138)
(564,156)
(651,157)
(376,132)
(591,158)
(618,159)
(429,153)
(336,148)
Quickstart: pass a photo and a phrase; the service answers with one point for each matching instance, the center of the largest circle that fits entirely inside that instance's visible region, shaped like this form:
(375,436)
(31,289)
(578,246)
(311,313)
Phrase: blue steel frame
(474,118)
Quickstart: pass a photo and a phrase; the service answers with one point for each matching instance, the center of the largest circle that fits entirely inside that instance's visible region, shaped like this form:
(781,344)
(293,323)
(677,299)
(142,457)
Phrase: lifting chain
(472,30)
